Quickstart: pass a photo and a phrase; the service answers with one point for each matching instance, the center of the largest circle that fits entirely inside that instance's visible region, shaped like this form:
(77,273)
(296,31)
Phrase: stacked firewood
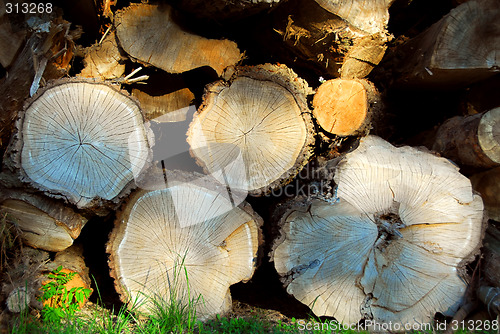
(179,114)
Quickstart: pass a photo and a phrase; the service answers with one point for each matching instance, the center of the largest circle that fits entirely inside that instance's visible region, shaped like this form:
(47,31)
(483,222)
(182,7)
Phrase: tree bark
(254,133)
(150,35)
(186,243)
(345,107)
(471,140)
(391,242)
(11,38)
(489,290)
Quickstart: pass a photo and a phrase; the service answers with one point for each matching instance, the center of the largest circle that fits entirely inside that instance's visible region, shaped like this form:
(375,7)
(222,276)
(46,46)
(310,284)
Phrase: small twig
(105,34)
(129,80)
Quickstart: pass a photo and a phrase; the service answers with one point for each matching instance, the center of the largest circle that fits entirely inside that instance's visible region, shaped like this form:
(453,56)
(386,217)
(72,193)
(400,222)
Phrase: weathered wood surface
(390,245)
(471,140)
(188,231)
(165,108)
(371,16)
(44,223)
(149,34)
(53,228)
(461,48)
(331,43)
(346,107)
(82,141)
(254,133)
(104,60)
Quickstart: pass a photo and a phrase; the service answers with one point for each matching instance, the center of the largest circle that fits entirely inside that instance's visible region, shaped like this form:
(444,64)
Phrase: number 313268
(28,8)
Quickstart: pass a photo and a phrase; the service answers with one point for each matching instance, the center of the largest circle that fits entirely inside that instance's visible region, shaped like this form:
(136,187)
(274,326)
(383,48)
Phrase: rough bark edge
(281,214)
(289,80)
(118,231)
(16,144)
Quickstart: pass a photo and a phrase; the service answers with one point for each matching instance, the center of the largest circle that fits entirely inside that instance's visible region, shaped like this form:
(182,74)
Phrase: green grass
(175,314)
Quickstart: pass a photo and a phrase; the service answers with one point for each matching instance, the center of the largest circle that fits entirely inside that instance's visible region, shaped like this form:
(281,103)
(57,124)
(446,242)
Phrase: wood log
(471,140)
(370,16)
(254,133)
(171,107)
(150,35)
(489,289)
(390,245)
(18,300)
(104,60)
(326,40)
(11,38)
(490,296)
(459,49)
(185,244)
(43,222)
(346,107)
(82,141)
(488,185)
(27,277)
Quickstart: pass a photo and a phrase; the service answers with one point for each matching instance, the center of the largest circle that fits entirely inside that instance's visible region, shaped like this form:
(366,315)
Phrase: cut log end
(346,107)
(472,141)
(255,132)
(340,106)
(82,141)
(383,248)
(488,134)
(370,16)
(44,223)
(164,247)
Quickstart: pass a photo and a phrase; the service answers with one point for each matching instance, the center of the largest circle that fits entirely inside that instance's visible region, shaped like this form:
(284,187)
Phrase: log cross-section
(82,140)
(186,243)
(391,246)
(255,132)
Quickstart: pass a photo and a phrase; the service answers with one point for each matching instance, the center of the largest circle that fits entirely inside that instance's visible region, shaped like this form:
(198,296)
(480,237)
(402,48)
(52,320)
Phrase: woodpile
(168,120)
